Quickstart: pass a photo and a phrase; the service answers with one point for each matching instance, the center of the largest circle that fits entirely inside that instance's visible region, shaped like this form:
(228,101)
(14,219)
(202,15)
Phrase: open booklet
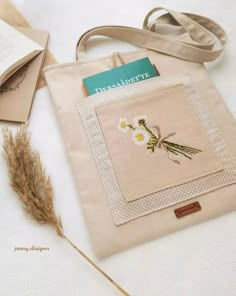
(17,93)
(15,50)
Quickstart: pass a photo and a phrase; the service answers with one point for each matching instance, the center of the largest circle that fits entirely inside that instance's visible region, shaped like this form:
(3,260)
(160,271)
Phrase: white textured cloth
(197,261)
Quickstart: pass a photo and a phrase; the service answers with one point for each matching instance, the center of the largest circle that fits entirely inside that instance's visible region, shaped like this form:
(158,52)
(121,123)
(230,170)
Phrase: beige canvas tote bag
(156,156)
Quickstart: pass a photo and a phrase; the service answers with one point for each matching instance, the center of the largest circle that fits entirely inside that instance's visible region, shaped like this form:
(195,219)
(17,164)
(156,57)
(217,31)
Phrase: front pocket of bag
(156,141)
(138,182)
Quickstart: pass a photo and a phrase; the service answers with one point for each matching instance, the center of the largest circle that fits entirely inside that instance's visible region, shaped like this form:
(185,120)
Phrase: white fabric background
(197,261)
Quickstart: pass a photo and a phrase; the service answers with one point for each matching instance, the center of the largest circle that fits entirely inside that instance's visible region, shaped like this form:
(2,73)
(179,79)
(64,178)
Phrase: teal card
(120,76)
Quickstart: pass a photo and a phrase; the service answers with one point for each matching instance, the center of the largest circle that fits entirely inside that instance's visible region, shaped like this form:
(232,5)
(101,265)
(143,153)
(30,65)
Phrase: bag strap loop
(184,35)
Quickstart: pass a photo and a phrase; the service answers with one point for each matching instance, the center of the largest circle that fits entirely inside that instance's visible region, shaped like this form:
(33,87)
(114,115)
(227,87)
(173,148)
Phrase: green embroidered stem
(179,148)
(149,131)
(187,148)
(180,152)
(131,127)
(171,150)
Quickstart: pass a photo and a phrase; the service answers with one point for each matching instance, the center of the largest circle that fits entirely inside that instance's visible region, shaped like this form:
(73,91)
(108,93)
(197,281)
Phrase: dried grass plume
(28,178)
(33,187)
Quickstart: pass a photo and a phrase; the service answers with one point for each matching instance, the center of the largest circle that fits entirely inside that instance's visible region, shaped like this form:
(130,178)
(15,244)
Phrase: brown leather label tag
(187,210)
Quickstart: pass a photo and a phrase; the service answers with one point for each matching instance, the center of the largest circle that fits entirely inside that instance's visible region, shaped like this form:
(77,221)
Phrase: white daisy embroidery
(140,137)
(123,125)
(140,120)
(151,136)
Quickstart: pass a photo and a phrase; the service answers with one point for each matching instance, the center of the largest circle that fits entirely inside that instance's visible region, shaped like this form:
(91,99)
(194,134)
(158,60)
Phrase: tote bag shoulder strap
(184,35)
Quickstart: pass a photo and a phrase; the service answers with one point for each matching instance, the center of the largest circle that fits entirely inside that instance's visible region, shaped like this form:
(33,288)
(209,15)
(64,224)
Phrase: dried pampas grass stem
(34,188)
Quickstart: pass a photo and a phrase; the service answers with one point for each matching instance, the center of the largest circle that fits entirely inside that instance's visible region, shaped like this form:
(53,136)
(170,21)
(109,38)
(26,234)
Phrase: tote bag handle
(184,35)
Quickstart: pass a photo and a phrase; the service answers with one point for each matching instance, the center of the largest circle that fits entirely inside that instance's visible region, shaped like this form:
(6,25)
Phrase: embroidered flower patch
(151,136)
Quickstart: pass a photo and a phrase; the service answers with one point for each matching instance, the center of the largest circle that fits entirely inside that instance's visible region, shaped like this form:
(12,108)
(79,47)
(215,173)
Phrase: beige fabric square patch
(140,171)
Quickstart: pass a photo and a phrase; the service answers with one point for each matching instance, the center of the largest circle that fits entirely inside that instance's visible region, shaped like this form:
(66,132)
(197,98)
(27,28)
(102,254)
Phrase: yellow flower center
(139,137)
(123,124)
